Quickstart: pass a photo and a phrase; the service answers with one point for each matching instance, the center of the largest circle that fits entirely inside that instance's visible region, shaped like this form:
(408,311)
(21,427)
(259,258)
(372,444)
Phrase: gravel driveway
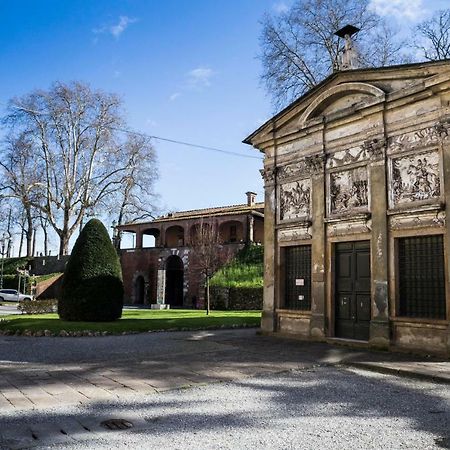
(240,391)
(323,408)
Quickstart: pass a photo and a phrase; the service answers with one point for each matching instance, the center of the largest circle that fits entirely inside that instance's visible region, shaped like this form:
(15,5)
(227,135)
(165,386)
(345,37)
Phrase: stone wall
(50,288)
(44,265)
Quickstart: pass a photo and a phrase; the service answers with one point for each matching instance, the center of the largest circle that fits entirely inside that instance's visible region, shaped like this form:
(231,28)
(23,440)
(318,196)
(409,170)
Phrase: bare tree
(20,173)
(134,199)
(208,253)
(299,47)
(434,36)
(43,223)
(74,132)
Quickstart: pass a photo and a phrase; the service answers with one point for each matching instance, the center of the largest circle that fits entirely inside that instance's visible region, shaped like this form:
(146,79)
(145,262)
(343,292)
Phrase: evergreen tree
(92,288)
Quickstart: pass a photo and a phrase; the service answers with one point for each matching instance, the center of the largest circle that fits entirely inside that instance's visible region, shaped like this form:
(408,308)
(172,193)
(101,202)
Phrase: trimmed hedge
(92,288)
(237,298)
(38,306)
(10,281)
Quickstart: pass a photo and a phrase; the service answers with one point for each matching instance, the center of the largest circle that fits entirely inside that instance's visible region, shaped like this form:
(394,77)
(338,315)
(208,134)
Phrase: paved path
(6,310)
(41,376)
(43,372)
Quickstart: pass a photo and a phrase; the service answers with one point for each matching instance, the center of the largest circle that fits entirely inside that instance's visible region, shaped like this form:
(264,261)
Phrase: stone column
(270,264)
(318,291)
(250,225)
(379,325)
(139,239)
(443,130)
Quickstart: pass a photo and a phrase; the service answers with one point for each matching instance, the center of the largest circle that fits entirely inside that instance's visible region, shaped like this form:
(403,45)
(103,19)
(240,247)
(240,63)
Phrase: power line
(188,144)
(159,138)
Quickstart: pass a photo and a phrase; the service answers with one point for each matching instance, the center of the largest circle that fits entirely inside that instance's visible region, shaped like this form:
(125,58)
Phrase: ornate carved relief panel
(417,220)
(414,140)
(295,199)
(415,177)
(294,234)
(345,157)
(348,190)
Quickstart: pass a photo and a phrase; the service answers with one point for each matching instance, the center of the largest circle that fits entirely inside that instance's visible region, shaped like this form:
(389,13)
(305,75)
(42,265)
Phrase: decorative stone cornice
(301,232)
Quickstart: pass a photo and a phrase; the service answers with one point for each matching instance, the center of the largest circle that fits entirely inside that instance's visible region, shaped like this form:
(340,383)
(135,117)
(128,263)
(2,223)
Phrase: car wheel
(26,299)
(2,299)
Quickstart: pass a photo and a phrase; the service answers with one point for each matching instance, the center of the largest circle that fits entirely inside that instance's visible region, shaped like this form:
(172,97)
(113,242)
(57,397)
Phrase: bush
(246,270)
(92,288)
(38,306)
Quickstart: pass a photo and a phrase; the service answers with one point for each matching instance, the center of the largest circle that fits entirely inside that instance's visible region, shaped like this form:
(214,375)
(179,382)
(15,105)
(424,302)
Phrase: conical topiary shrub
(92,288)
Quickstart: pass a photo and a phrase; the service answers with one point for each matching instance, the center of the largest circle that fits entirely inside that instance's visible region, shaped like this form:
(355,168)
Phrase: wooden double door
(352,290)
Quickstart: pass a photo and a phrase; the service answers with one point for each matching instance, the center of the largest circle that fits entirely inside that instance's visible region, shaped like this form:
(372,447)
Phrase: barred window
(421,277)
(298,277)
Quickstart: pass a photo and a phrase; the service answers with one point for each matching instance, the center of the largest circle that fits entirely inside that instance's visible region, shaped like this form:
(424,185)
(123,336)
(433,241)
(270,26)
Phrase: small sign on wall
(301,297)
(299,281)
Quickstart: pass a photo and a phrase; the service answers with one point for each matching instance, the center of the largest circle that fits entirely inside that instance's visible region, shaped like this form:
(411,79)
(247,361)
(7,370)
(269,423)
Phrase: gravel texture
(322,408)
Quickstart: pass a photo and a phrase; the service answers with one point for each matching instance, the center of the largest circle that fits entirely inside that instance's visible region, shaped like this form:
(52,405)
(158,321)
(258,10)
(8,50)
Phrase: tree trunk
(44,229)
(21,243)
(9,248)
(208,308)
(63,245)
(33,253)
(29,236)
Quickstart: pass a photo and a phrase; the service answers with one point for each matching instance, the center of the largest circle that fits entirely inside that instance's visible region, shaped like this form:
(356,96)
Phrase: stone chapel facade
(357,195)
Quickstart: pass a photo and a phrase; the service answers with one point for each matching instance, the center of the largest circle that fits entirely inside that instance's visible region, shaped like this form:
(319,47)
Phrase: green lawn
(136,321)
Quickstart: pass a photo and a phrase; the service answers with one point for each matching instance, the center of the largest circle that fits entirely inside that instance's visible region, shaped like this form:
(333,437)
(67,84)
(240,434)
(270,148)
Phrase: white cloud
(117,29)
(121,26)
(174,96)
(280,7)
(200,77)
(401,9)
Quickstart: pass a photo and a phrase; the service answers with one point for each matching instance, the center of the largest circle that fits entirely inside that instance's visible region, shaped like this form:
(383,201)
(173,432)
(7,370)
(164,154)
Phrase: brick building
(357,194)
(160,267)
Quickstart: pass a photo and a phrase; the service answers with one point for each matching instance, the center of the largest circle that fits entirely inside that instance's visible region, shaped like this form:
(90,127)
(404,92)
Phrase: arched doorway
(174,281)
(139,290)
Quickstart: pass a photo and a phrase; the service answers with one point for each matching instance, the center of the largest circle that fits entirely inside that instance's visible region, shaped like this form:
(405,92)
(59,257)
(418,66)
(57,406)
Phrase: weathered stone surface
(364,157)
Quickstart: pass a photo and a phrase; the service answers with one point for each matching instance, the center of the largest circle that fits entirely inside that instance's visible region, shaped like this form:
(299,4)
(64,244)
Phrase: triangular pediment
(349,91)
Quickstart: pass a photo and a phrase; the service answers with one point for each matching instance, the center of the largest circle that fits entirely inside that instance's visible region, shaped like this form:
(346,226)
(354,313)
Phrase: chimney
(250,198)
(350,57)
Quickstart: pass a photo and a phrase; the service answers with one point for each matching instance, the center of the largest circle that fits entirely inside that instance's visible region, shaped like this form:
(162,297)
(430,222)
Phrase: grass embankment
(136,321)
(246,270)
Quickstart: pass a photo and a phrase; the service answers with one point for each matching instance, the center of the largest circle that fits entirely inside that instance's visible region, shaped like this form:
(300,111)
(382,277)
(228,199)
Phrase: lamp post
(2,244)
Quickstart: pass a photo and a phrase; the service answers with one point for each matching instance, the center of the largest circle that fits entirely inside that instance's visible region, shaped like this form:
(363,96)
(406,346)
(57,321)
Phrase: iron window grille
(421,277)
(298,277)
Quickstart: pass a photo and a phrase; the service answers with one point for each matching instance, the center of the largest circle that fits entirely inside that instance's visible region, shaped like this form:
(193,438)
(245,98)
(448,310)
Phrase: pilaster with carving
(375,149)
(268,175)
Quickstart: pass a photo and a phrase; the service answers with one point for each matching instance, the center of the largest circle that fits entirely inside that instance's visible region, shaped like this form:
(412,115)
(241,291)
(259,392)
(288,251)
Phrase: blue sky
(186,70)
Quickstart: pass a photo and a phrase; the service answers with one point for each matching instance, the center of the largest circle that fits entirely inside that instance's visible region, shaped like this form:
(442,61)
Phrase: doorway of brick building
(174,281)
(139,291)
(352,290)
